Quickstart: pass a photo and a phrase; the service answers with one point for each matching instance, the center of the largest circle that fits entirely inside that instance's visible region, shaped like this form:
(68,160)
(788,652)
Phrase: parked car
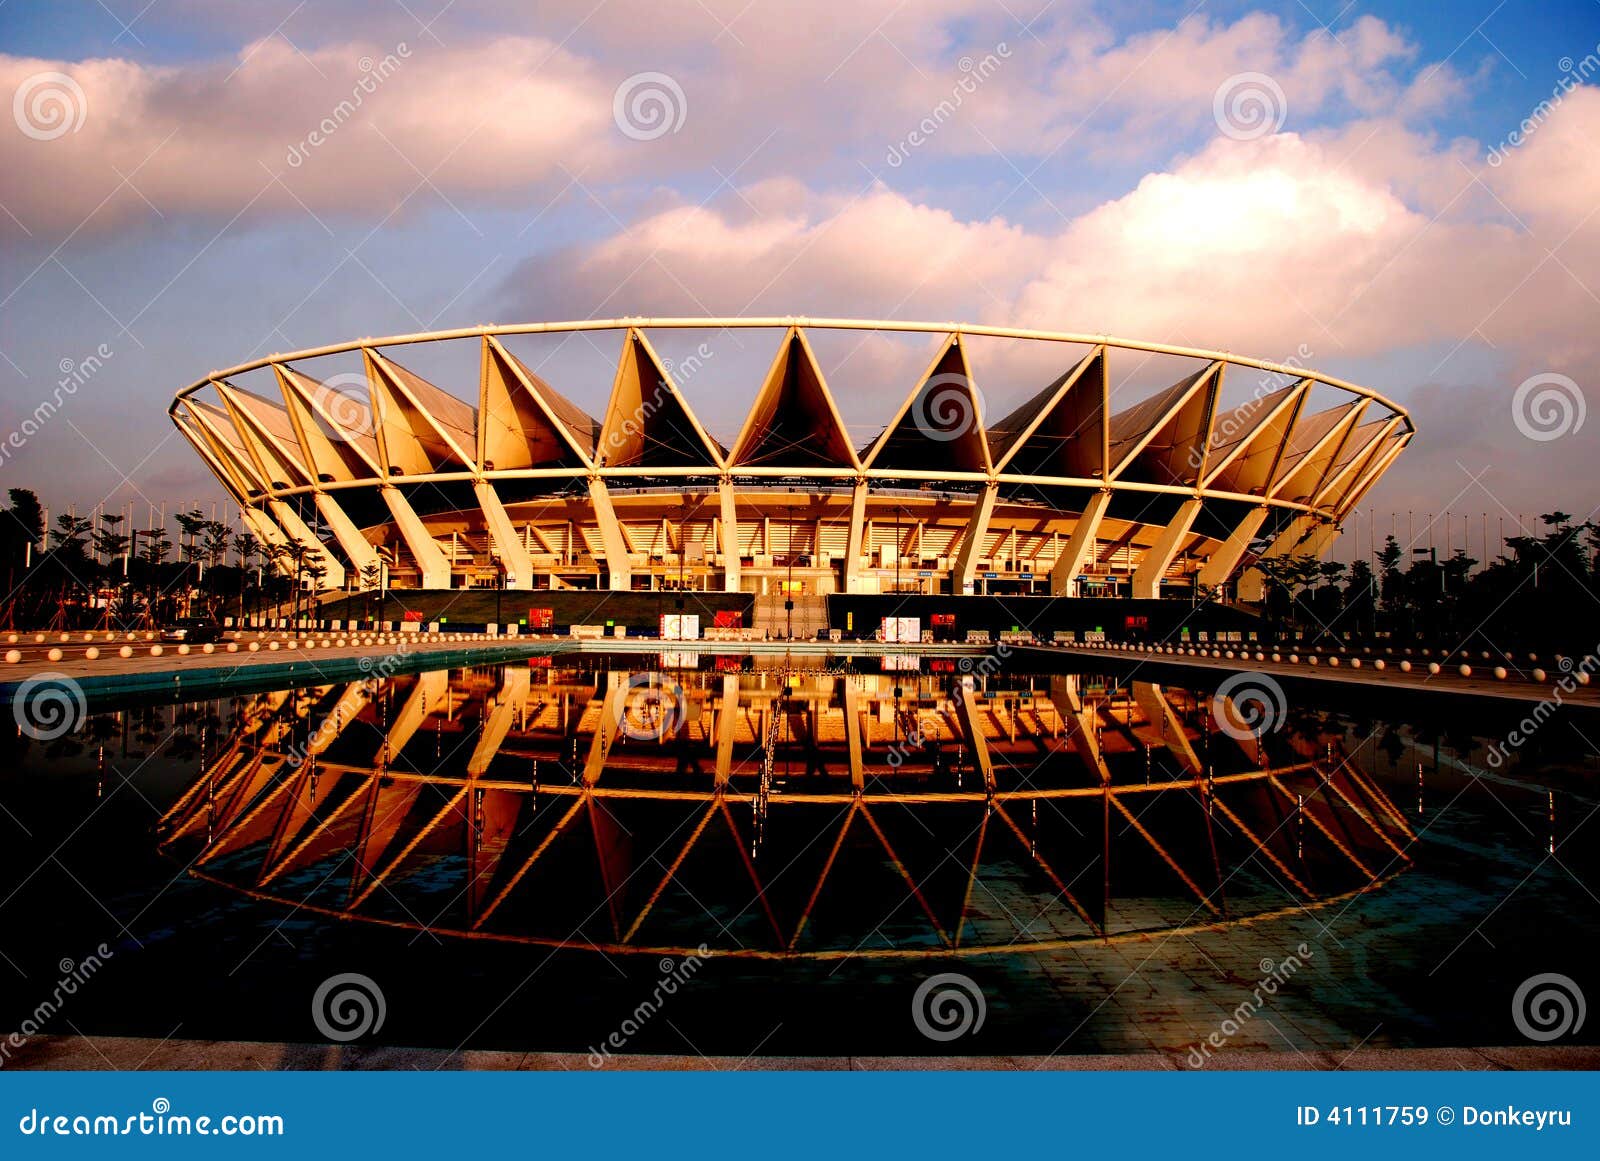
(192,631)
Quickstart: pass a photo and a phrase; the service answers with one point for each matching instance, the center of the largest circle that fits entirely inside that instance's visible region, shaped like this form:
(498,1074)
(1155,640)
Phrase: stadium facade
(383,474)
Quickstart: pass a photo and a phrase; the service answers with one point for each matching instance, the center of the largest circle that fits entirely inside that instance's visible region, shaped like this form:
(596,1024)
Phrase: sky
(1400,195)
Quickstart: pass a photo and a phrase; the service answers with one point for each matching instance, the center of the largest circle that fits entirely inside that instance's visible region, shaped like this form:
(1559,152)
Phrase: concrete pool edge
(79,1053)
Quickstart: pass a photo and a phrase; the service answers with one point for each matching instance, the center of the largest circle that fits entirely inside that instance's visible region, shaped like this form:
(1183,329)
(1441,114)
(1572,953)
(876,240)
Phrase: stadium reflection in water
(769,809)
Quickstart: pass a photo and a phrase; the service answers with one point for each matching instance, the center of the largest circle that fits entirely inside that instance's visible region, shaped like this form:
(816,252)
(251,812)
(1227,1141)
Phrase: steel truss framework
(1062,486)
(634,843)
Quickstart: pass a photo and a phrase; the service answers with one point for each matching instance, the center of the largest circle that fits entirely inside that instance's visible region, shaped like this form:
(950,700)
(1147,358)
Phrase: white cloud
(484,122)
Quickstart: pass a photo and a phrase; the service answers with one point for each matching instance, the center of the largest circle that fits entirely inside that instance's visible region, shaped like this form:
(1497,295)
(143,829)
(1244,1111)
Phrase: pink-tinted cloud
(355,127)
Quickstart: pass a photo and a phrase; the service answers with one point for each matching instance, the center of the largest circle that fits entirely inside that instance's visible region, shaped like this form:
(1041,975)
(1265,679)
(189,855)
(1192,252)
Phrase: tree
(1360,598)
(109,539)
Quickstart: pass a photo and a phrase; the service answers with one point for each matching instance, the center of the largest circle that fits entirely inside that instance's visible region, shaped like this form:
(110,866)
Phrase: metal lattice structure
(787,813)
(385,470)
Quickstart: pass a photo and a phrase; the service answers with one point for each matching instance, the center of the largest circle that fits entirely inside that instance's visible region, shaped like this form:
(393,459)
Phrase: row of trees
(101,572)
(1542,592)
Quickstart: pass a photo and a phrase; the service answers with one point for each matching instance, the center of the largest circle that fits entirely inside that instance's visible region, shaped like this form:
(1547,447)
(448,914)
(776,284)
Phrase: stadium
(1092,485)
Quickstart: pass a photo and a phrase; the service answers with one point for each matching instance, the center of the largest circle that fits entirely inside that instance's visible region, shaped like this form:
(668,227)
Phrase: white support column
(727,727)
(618,570)
(851,702)
(852,548)
(354,545)
(434,569)
(966,562)
(1064,695)
(1253,584)
(1080,545)
(1147,577)
(730,537)
(503,537)
(269,536)
(291,523)
(1226,558)
(1320,540)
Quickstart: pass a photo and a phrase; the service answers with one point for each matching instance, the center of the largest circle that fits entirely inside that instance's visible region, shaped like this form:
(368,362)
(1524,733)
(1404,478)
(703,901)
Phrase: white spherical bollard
(1355,663)
(1538,675)
(1433,667)
(233,646)
(91,654)
(1500,672)
(156,651)
(1581,677)
(1378,664)
(208,648)
(55,655)
(1277,656)
(1405,667)
(272,646)
(125,651)
(13,656)
(1464,670)
(1294,659)
(183,651)
(254,647)
(1333,661)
